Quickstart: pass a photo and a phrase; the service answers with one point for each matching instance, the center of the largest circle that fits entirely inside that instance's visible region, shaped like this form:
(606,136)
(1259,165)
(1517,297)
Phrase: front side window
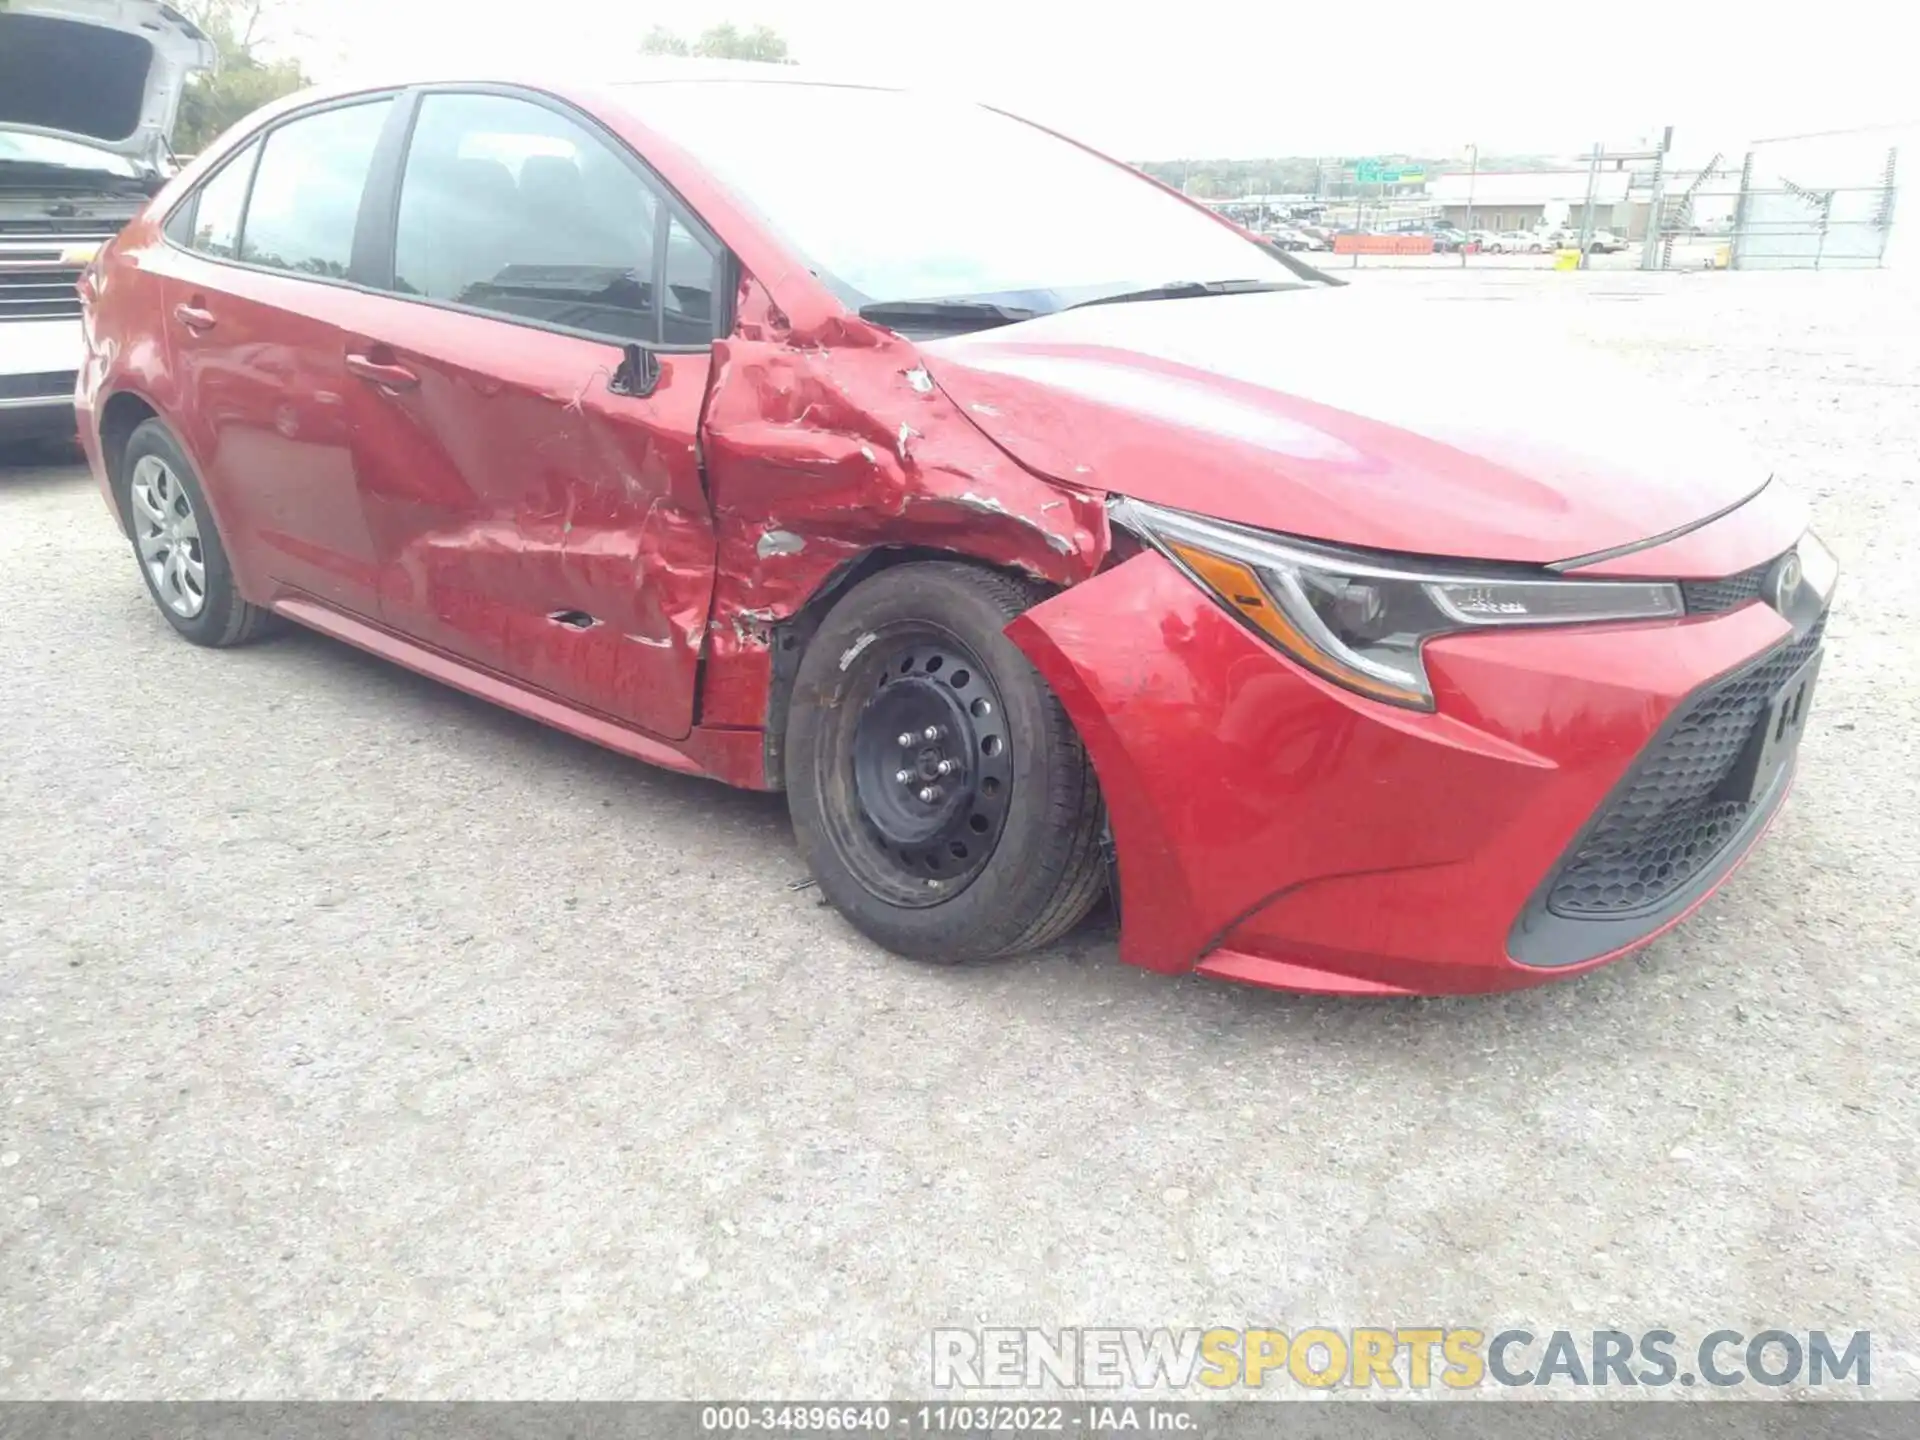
(215,214)
(687,312)
(306,196)
(510,207)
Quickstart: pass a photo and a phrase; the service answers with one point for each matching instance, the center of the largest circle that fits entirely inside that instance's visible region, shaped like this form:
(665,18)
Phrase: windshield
(895,197)
(22,149)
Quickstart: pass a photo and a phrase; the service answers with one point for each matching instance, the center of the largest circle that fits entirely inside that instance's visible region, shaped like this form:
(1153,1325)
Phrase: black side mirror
(637,374)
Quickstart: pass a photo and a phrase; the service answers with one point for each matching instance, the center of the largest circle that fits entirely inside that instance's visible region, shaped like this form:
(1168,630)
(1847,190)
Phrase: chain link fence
(1781,223)
(1812,203)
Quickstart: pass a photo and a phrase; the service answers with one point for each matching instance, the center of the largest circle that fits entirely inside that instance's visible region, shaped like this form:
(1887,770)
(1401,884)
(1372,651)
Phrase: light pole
(1473,173)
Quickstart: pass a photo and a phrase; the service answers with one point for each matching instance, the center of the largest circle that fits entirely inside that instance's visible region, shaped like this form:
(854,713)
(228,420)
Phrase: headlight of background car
(1360,621)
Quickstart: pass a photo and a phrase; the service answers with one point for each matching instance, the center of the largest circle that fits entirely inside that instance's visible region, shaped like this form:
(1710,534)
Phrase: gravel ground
(359,1039)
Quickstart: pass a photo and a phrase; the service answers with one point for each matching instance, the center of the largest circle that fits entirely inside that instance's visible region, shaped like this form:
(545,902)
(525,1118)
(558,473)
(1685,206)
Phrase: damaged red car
(1036,531)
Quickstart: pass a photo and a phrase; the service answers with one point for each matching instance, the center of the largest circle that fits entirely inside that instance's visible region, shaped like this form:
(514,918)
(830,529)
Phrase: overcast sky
(1203,78)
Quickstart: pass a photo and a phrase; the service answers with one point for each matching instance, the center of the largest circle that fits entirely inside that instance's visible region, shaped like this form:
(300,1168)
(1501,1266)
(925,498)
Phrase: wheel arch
(123,413)
(790,638)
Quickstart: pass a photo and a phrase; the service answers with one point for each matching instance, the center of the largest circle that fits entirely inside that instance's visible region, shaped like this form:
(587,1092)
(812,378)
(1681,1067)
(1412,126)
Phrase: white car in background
(1289,238)
(89,90)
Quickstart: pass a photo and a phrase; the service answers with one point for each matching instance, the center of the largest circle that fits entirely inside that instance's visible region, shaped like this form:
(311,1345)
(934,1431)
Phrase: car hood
(1376,420)
(135,57)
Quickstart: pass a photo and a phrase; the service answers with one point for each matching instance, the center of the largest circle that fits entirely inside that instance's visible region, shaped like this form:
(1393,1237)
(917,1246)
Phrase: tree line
(241,30)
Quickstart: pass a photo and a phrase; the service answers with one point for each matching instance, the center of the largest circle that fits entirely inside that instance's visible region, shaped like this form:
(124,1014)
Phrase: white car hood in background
(107,73)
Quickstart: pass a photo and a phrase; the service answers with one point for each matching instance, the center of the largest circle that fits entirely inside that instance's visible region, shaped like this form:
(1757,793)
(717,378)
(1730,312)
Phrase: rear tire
(998,854)
(178,547)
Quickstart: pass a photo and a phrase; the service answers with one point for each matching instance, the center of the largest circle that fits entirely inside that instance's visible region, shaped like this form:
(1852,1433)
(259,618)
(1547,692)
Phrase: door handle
(393,377)
(194,317)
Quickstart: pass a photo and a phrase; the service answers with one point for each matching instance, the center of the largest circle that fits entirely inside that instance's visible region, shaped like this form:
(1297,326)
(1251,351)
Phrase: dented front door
(530,519)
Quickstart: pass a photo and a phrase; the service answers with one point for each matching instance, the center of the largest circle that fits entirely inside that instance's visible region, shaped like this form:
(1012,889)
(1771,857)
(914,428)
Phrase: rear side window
(214,215)
(510,207)
(306,195)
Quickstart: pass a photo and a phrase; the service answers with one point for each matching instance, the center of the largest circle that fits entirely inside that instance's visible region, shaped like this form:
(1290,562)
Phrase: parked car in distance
(77,161)
(1448,240)
(1604,242)
(1000,553)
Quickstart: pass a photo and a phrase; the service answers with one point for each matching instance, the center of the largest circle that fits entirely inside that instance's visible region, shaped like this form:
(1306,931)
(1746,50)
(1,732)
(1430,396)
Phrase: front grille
(34,285)
(49,383)
(1665,823)
(38,292)
(65,229)
(1711,597)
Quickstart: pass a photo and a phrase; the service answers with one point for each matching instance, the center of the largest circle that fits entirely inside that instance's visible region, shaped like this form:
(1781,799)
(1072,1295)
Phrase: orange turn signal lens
(1239,587)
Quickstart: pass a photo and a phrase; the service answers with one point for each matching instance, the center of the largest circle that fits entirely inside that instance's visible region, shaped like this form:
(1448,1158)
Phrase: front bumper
(39,361)
(1274,828)
(39,417)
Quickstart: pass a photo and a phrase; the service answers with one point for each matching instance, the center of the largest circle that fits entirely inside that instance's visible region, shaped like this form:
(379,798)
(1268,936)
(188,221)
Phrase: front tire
(938,791)
(177,545)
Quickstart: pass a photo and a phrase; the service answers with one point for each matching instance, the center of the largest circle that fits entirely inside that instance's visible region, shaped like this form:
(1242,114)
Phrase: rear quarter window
(210,221)
(306,193)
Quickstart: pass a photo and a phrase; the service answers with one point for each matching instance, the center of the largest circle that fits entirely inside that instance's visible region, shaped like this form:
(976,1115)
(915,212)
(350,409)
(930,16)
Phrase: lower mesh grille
(1664,824)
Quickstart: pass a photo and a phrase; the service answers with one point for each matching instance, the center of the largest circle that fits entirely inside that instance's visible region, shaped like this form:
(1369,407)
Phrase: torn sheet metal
(779,542)
(821,447)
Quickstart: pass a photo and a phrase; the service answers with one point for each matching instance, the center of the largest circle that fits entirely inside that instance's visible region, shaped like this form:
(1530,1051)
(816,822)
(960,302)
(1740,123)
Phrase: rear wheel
(177,545)
(938,790)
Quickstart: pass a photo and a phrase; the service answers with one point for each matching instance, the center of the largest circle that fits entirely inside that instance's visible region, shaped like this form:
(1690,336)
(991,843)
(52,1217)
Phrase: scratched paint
(511,485)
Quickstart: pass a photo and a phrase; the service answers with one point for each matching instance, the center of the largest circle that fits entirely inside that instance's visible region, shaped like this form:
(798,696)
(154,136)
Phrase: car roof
(573,80)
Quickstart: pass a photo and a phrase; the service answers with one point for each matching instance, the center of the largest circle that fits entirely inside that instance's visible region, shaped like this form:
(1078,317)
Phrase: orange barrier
(1383,244)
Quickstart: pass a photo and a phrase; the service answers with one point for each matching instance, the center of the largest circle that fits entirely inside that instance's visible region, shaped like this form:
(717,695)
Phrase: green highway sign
(1386,172)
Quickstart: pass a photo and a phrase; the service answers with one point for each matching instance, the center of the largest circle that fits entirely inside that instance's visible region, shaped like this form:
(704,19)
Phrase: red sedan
(812,437)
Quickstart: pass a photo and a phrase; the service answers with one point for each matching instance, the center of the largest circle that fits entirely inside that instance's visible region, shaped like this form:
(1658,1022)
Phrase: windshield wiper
(1189,289)
(1300,267)
(968,314)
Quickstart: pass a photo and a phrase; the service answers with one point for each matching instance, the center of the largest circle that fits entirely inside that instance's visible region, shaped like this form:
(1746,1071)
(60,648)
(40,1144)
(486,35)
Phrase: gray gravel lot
(359,1039)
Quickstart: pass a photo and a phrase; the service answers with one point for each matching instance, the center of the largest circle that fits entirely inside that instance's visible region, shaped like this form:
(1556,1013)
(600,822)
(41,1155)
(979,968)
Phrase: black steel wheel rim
(931,763)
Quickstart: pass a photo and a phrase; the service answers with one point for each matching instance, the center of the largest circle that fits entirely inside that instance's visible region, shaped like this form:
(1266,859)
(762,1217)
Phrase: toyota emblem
(1784,581)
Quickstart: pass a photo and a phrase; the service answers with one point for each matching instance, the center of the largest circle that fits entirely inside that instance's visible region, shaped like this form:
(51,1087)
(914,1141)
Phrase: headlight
(1360,620)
